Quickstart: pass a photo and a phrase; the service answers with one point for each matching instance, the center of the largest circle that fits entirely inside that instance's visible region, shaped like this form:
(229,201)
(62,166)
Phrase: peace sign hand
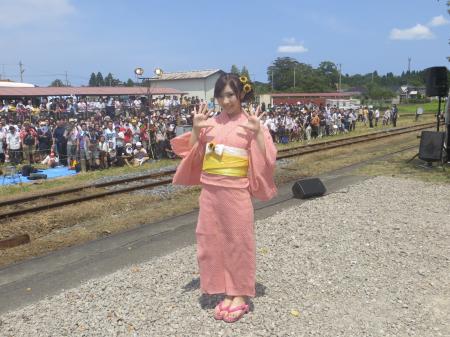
(200,117)
(253,119)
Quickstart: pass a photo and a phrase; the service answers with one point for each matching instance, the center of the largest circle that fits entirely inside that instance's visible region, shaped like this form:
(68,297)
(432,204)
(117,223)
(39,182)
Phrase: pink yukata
(226,250)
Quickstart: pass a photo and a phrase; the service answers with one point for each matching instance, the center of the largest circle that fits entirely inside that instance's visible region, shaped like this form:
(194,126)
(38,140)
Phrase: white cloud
(290,45)
(438,21)
(22,12)
(418,32)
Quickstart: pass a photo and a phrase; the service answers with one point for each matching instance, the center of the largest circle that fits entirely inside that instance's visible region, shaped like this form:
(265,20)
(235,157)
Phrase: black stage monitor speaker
(37,176)
(436,81)
(307,188)
(431,144)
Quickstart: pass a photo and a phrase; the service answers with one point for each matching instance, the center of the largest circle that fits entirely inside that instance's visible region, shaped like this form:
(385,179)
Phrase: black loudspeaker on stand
(436,85)
(308,188)
(436,81)
(431,147)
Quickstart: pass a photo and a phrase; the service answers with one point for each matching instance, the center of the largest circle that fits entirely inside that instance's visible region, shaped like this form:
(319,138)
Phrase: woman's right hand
(200,118)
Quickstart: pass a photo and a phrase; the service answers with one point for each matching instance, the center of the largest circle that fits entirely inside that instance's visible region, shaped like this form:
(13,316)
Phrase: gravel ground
(372,260)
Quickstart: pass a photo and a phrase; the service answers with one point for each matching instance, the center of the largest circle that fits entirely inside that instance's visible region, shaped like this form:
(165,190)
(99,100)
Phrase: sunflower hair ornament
(243,79)
(247,88)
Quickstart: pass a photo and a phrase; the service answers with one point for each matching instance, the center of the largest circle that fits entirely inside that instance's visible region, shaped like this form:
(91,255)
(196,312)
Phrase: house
(198,83)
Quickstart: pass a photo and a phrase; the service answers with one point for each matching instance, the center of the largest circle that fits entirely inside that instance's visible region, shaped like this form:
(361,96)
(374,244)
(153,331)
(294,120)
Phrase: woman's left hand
(253,119)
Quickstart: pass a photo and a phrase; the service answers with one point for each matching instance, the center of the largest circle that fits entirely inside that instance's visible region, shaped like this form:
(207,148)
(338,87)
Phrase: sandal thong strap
(239,307)
(219,306)
(222,308)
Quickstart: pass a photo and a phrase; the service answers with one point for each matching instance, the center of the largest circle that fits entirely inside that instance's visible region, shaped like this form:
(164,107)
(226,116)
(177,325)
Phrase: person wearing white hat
(140,155)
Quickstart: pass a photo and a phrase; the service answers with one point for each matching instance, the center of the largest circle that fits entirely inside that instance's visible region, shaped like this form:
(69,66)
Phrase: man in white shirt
(13,145)
(386,117)
(377,116)
(270,123)
(110,136)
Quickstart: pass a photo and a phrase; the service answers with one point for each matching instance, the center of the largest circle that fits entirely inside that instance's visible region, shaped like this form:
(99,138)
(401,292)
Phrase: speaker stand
(439,113)
(415,156)
(447,143)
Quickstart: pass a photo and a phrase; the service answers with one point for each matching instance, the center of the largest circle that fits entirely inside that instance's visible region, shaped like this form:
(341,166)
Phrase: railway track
(35,203)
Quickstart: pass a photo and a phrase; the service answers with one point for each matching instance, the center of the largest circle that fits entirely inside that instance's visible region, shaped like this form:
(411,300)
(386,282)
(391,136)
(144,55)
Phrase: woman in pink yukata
(232,157)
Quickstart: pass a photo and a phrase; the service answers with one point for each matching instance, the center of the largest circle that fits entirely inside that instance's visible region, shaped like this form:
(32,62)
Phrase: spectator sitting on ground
(140,155)
(128,153)
(50,160)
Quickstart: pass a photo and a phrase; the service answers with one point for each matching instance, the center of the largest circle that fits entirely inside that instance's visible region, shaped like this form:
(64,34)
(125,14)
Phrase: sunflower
(247,88)
(243,79)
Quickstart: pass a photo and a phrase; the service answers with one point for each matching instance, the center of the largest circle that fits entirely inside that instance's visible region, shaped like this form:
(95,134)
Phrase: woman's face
(229,101)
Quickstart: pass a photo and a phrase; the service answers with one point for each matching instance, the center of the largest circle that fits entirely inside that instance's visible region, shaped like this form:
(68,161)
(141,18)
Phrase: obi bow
(216,148)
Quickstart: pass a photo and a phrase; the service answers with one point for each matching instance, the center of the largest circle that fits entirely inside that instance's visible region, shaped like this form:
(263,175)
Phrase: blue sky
(84,36)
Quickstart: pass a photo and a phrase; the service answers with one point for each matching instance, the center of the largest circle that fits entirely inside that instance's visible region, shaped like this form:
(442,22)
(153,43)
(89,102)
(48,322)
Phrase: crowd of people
(305,121)
(93,134)
(97,134)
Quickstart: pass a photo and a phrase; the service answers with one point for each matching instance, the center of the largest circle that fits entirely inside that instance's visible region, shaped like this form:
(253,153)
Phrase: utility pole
(272,79)
(21,70)
(67,81)
(294,76)
(407,78)
(340,80)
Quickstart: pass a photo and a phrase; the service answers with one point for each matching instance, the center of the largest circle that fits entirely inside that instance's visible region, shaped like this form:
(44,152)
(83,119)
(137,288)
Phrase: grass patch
(429,108)
(75,224)
(397,166)
(325,161)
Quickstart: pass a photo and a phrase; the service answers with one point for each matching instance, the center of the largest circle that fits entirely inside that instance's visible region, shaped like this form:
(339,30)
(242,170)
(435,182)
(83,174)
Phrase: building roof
(11,84)
(316,94)
(185,75)
(86,91)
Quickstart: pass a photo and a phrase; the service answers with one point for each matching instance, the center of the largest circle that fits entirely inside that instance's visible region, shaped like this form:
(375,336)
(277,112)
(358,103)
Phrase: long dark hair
(235,83)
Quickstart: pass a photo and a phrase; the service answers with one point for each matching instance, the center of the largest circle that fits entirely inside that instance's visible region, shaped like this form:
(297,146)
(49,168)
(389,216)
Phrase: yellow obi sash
(225,160)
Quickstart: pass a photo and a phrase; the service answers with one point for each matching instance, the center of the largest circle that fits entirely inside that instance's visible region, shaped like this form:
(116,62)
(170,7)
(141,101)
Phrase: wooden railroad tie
(15,241)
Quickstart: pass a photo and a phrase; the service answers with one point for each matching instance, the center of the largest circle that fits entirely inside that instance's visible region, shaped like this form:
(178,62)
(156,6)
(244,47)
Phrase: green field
(429,108)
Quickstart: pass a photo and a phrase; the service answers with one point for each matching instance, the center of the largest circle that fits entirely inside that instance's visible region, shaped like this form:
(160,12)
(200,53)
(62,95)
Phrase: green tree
(376,92)
(57,83)
(109,80)
(93,80)
(100,82)
(281,73)
(129,83)
(235,70)
(330,72)
(244,72)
